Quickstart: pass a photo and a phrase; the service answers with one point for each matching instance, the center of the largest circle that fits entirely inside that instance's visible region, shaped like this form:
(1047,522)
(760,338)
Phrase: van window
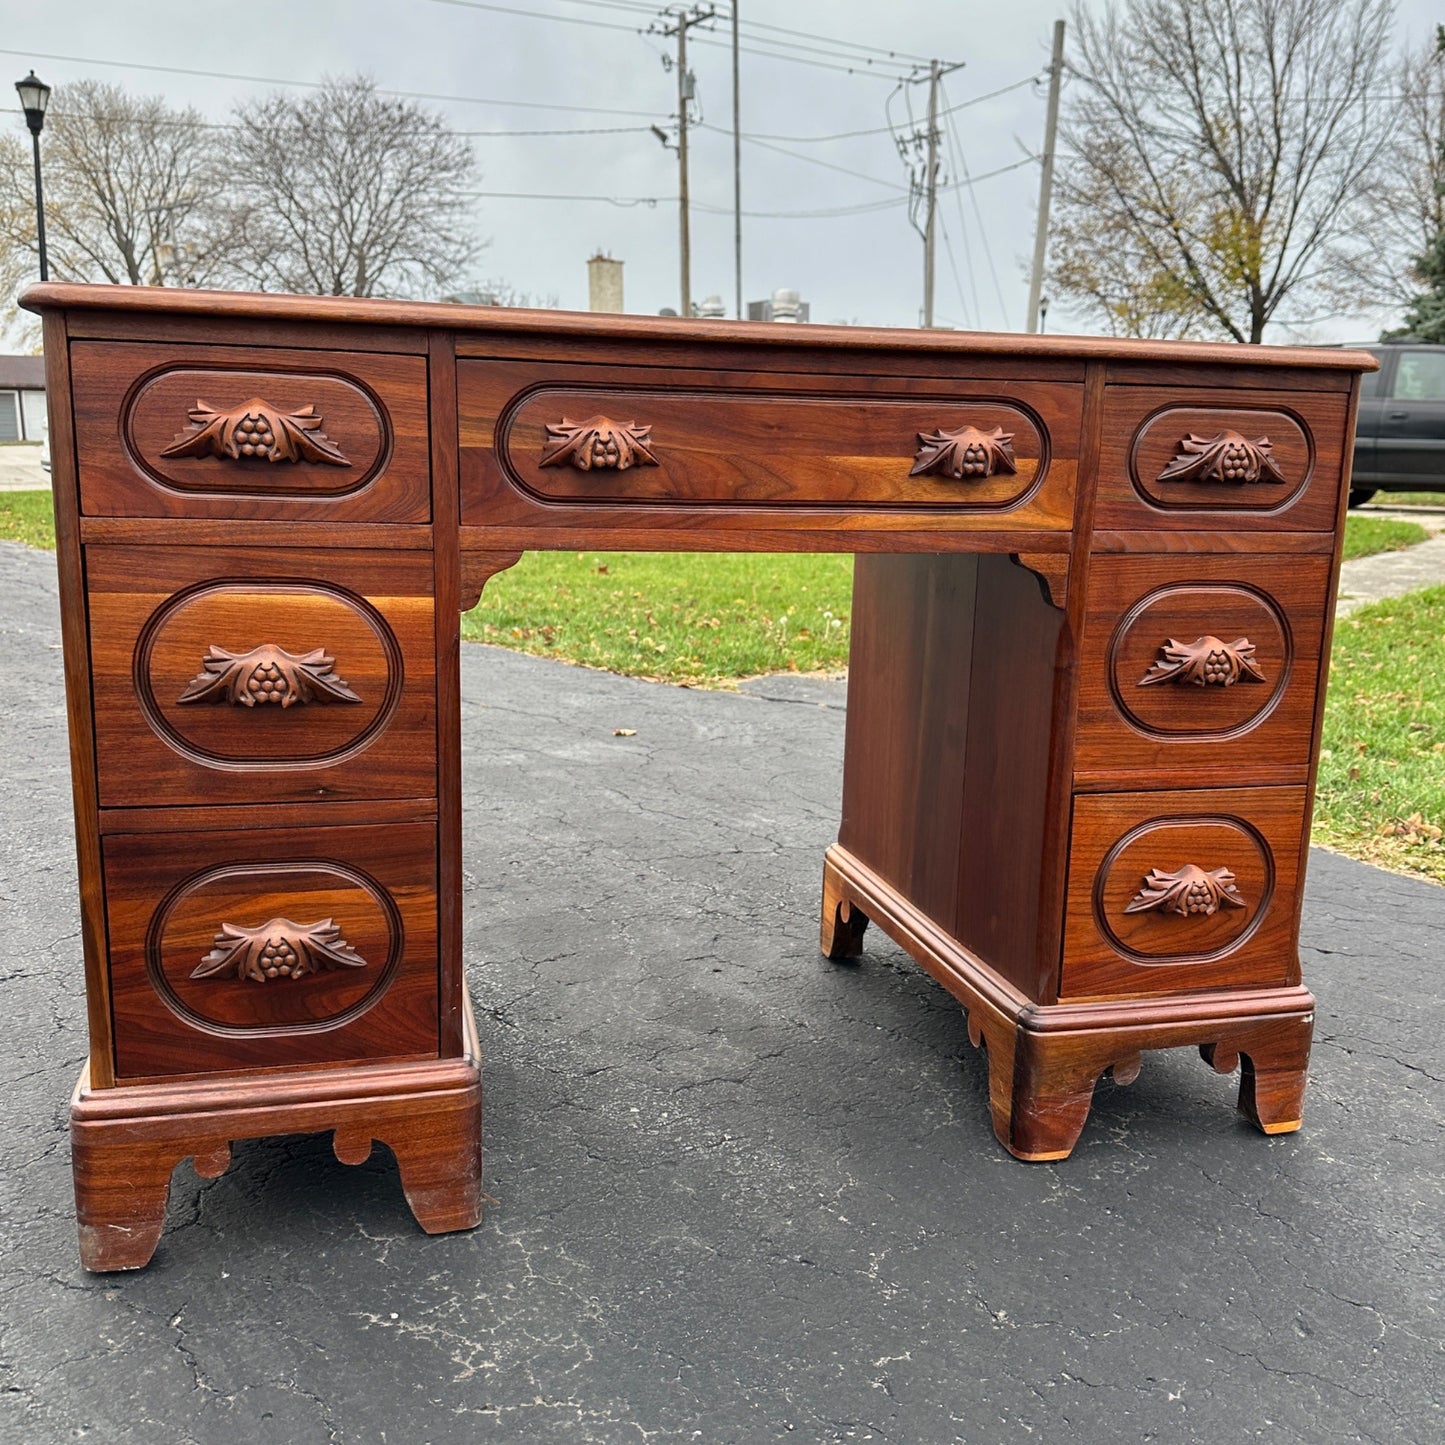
(1420,376)
(1369,383)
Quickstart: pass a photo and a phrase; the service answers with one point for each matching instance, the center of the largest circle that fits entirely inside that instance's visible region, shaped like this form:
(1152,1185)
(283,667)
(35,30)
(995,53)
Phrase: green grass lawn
(1364,536)
(1407,499)
(1382,766)
(702,618)
(27,517)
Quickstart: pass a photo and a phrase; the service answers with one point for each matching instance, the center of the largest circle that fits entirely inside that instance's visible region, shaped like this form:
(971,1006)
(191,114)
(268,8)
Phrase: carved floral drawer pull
(267,675)
(966,454)
(1206,662)
(256,429)
(1228,457)
(1188,890)
(278,949)
(598,444)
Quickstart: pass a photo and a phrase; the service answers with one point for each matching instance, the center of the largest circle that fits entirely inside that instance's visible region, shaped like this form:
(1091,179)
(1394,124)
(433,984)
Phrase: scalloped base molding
(126,1141)
(1044,1059)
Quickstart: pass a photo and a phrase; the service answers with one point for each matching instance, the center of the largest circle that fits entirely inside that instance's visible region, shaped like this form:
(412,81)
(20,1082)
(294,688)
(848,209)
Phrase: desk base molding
(127,1140)
(1044,1059)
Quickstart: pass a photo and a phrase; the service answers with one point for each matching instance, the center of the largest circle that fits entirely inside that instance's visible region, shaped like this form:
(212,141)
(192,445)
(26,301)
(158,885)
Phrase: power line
(182,123)
(321,84)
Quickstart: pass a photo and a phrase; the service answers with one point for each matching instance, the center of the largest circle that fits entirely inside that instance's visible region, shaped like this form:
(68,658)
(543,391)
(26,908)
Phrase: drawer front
(271,947)
(1224,459)
(250,675)
(1176,891)
(662,440)
(210,431)
(1198,670)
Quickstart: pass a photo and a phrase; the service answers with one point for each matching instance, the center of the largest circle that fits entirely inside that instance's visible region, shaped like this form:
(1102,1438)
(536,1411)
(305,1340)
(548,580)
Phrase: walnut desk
(1093,593)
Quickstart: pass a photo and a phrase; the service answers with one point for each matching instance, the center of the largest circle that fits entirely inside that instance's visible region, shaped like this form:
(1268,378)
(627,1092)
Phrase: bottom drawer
(1175,891)
(269,947)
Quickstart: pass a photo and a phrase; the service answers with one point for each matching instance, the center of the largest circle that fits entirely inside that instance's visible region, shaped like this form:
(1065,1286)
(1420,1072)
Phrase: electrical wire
(321,84)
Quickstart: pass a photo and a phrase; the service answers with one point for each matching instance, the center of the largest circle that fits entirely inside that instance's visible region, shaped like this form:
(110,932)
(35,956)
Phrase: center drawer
(261,675)
(588,438)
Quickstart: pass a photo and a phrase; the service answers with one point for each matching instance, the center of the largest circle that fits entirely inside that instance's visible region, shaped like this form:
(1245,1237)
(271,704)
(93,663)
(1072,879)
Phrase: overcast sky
(864,266)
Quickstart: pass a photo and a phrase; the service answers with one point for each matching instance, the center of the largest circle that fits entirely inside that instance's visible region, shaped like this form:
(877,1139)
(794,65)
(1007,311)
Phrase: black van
(1400,440)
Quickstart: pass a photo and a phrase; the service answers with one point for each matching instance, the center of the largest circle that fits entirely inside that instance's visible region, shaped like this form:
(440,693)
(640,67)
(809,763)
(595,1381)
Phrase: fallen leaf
(624,732)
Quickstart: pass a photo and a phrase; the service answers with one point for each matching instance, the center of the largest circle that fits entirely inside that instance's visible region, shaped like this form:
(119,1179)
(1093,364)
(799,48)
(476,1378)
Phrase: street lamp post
(34,97)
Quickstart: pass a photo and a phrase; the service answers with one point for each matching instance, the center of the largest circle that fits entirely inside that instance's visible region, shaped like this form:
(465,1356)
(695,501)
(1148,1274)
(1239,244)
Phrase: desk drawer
(1221,459)
(659,439)
(1176,891)
(261,675)
(213,431)
(1198,670)
(271,947)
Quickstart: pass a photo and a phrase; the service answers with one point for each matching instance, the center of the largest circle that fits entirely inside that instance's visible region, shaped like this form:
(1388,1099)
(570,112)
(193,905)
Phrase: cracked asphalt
(740,1194)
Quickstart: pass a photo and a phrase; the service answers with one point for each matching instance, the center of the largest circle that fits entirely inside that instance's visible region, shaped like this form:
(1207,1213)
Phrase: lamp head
(34,98)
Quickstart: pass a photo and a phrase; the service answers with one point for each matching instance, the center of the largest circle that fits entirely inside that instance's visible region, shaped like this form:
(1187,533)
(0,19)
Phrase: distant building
(783,305)
(604,283)
(22,398)
(710,308)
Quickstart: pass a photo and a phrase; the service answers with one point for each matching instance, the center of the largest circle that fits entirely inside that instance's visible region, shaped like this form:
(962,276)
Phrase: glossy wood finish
(738,452)
(134,402)
(169,895)
(1044,1060)
(126,1141)
(1084,698)
(1116,944)
(156,613)
(1145,427)
(1141,725)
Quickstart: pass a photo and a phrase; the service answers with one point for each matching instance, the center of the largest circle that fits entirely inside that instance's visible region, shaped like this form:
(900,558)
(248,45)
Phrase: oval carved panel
(256,433)
(1200,660)
(1183,890)
(197,960)
(1220,457)
(586,444)
(267,674)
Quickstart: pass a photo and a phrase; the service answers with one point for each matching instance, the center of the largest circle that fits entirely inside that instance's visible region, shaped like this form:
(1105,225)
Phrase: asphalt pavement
(739,1194)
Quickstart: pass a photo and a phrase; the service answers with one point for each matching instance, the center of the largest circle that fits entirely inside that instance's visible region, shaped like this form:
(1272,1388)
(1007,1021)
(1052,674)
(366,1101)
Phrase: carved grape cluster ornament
(256,429)
(278,949)
(1188,891)
(1205,662)
(1228,457)
(598,444)
(968,454)
(267,676)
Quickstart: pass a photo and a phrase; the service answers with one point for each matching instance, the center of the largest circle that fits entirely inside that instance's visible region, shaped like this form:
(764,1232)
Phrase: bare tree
(346,193)
(130,189)
(1405,195)
(1223,146)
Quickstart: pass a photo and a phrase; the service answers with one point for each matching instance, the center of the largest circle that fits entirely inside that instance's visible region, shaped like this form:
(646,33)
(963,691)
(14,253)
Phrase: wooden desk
(1093,594)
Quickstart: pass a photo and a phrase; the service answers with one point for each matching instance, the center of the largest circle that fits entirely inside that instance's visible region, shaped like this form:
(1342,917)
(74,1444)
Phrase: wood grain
(145,304)
(169,894)
(126,1141)
(154,613)
(1119,837)
(1176,734)
(779,451)
(1143,429)
(132,401)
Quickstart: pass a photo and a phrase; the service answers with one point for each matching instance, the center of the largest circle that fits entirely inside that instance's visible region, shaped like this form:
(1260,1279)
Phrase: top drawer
(220,431)
(598,438)
(1208,459)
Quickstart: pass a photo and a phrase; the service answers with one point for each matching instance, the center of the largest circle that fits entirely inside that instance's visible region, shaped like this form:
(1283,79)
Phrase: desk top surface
(340,310)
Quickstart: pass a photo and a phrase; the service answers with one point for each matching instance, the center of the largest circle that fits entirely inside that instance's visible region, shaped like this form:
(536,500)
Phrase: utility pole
(684,20)
(737,175)
(1046,178)
(927,185)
